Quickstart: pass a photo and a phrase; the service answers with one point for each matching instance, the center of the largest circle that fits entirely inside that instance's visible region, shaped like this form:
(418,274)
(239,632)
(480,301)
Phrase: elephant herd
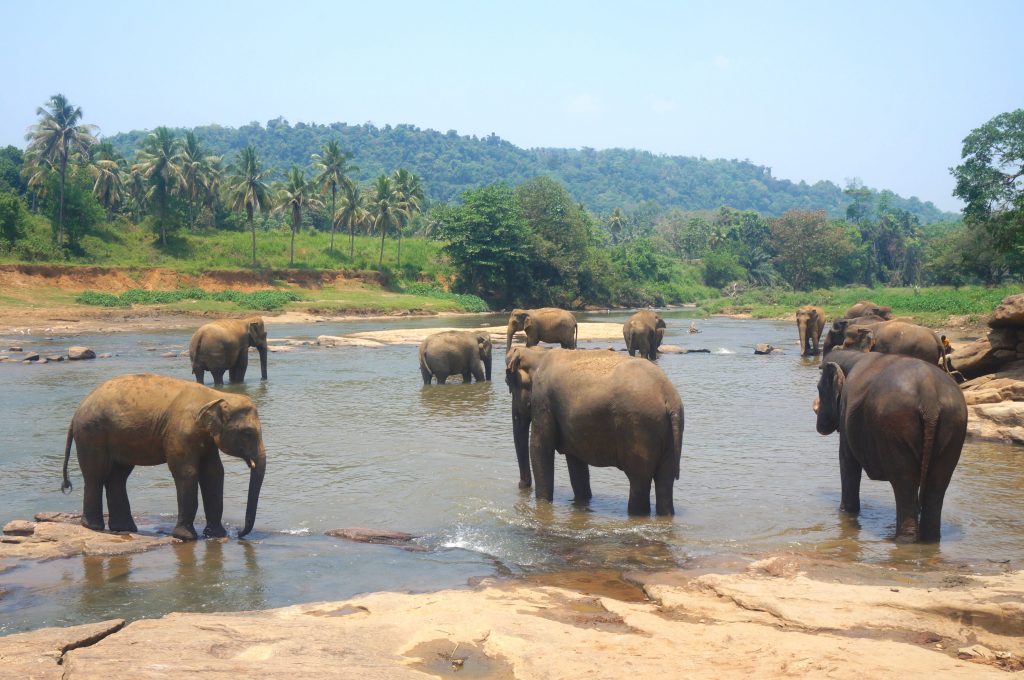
(900,417)
(886,387)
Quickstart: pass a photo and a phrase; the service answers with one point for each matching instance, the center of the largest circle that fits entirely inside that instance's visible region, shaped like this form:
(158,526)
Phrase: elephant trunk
(487,364)
(262,349)
(508,337)
(521,434)
(802,327)
(258,469)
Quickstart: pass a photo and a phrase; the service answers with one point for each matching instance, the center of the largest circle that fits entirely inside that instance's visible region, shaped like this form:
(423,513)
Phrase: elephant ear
(660,323)
(212,416)
(833,376)
(483,341)
(527,322)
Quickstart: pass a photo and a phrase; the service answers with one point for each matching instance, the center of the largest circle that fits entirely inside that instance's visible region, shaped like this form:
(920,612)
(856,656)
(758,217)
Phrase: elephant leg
(237,372)
(441,378)
(211,483)
(478,371)
(931,514)
(849,474)
(120,510)
(639,495)
(631,349)
(579,477)
(427,376)
(218,376)
(542,456)
(467,377)
(199,373)
(664,480)
(95,465)
(907,511)
(186,481)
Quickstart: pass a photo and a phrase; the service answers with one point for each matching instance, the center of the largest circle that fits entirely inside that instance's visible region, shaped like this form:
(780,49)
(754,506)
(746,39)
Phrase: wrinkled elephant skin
(465,353)
(548,324)
(223,345)
(643,332)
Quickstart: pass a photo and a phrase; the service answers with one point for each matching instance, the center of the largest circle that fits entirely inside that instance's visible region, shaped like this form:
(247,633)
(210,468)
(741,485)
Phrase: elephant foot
(184,533)
(217,531)
(525,484)
(124,525)
(95,525)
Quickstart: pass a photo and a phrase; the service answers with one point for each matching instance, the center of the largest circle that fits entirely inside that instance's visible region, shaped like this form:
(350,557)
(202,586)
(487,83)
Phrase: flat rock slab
(362,535)
(50,540)
(345,341)
(771,622)
(414,336)
(39,654)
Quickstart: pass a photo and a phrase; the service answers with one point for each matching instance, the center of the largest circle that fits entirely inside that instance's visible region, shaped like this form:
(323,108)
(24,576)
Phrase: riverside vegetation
(166,199)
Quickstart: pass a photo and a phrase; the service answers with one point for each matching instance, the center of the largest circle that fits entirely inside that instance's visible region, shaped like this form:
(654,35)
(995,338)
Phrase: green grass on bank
(264,300)
(123,244)
(928,306)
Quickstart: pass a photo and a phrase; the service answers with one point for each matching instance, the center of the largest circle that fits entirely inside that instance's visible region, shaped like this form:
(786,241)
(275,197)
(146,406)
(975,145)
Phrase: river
(354,439)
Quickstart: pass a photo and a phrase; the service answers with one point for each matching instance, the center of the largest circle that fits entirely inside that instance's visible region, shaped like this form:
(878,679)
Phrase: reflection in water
(354,438)
(453,400)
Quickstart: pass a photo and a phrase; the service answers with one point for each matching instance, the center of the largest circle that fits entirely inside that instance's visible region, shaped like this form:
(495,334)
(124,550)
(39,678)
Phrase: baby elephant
(644,332)
(223,345)
(150,420)
(465,353)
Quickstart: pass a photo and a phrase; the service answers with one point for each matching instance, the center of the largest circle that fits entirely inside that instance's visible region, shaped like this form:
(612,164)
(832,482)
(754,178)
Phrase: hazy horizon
(881,93)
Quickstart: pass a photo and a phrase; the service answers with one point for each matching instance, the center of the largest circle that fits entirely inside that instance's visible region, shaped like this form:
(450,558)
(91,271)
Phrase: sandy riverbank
(783,616)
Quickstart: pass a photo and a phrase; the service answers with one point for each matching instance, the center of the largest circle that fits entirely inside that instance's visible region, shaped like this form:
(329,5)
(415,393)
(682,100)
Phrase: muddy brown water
(355,440)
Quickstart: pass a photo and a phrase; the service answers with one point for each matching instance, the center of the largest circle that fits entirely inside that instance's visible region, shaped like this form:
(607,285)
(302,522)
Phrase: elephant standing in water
(644,332)
(597,408)
(150,420)
(465,353)
(548,324)
(897,337)
(223,345)
(899,420)
(810,321)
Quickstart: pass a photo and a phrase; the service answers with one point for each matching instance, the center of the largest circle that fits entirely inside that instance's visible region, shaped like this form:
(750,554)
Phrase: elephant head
(518,320)
(830,389)
(835,337)
(862,339)
(483,343)
(518,364)
(659,331)
(257,336)
(235,429)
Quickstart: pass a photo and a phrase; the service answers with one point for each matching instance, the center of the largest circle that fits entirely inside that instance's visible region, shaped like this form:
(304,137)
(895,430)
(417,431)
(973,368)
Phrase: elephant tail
(65,486)
(575,335)
(930,421)
(675,440)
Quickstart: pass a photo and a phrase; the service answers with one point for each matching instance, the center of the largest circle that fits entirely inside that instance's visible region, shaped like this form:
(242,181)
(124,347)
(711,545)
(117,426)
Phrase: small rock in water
(105,355)
(14,349)
(363,535)
(78,353)
(765,348)
(55,357)
(31,356)
(169,355)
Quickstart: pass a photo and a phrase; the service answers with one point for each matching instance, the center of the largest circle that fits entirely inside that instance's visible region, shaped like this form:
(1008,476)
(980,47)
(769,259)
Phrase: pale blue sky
(883,91)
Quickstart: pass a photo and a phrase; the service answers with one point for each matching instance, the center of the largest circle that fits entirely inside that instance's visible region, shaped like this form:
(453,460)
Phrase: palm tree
(108,187)
(332,170)
(294,195)
(616,221)
(193,164)
(248,189)
(55,139)
(135,185)
(352,213)
(385,207)
(409,189)
(157,163)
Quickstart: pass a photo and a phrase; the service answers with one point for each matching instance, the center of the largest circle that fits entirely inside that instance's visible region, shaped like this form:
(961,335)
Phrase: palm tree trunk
(60,209)
(333,191)
(291,257)
(399,245)
(252,226)
(351,239)
(383,231)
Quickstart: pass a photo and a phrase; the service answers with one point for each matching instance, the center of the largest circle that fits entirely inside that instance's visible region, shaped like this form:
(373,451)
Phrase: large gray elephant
(150,420)
(597,408)
(899,420)
(643,332)
(868,308)
(810,321)
(223,345)
(548,324)
(465,353)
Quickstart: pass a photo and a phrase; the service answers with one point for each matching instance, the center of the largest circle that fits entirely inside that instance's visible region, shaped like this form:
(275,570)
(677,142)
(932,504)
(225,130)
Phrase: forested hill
(450,163)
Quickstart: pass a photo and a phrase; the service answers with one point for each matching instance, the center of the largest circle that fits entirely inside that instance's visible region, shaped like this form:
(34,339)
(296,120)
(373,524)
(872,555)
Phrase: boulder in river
(79,353)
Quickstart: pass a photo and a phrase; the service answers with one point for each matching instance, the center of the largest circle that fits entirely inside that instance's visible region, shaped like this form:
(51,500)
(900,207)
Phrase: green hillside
(450,163)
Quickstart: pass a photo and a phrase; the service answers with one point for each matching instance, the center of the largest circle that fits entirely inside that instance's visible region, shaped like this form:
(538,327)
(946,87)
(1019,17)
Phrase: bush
(263,300)
(469,303)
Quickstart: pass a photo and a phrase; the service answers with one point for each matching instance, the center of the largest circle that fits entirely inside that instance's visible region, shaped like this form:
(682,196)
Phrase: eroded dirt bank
(784,616)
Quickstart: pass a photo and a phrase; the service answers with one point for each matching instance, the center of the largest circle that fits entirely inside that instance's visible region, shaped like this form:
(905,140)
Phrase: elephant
(868,308)
(644,332)
(223,345)
(810,321)
(597,408)
(899,420)
(151,419)
(897,337)
(839,331)
(548,324)
(456,352)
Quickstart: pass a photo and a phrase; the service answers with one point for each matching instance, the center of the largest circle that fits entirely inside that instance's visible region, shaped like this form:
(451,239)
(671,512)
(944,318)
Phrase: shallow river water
(354,439)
